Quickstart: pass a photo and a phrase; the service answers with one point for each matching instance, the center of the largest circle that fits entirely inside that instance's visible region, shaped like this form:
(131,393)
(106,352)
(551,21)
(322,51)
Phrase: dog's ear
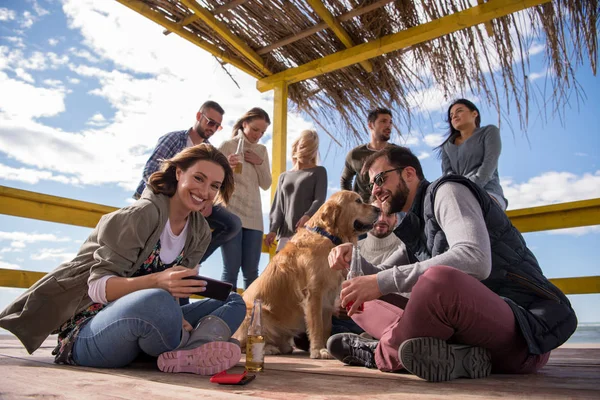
(328,214)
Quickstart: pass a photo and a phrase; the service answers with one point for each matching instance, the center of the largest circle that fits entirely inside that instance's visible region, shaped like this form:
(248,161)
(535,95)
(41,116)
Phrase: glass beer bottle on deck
(255,345)
(240,155)
(355,270)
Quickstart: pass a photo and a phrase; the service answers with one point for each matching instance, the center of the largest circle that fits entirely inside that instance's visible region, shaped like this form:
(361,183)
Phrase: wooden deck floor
(571,373)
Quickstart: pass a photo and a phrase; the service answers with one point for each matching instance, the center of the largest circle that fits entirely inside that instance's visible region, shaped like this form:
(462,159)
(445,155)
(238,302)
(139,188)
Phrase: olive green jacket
(119,245)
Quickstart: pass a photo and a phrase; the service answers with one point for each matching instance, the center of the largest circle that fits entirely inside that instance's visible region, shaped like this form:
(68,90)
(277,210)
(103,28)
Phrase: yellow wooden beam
(221,29)
(579,285)
(451,23)
(336,27)
(16,278)
(143,9)
(26,204)
(279,134)
(489,28)
(557,216)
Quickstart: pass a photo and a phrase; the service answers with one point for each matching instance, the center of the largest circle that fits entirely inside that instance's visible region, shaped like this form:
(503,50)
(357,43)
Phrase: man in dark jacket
(479,301)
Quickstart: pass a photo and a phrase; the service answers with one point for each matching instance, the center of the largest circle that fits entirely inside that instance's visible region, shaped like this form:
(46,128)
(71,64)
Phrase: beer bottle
(240,153)
(355,270)
(255,345)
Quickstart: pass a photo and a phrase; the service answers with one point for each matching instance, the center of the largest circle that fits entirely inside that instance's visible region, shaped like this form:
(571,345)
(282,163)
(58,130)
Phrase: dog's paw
(271,350)
(320,353)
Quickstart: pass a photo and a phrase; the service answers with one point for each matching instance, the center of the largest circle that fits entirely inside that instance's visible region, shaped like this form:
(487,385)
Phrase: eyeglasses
(212,123)
(380,178)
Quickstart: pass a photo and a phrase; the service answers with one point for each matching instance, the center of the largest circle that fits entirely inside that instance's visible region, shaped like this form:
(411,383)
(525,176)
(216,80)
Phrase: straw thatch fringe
(466,61)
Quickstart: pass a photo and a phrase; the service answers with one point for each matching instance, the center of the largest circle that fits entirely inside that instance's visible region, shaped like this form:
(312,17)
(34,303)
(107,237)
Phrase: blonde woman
(300,191)
(244,249)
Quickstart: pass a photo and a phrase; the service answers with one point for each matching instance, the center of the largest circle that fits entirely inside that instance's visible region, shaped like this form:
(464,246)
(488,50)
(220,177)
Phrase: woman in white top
(300,191)
(245,248)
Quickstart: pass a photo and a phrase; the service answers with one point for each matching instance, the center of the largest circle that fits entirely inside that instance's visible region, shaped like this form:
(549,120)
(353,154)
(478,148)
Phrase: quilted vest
(543,312)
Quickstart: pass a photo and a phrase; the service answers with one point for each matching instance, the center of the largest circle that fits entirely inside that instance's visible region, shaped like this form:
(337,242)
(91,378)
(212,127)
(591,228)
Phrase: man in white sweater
(380,243)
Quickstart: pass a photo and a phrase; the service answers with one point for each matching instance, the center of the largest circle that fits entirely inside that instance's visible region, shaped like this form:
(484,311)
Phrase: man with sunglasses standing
(224,224)
(379,122)
(479,301)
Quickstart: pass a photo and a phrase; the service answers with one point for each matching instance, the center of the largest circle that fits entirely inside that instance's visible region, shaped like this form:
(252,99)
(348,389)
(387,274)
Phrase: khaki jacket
(119,245)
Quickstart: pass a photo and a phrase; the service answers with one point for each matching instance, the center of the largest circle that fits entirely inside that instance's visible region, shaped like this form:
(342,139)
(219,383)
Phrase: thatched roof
(276,35)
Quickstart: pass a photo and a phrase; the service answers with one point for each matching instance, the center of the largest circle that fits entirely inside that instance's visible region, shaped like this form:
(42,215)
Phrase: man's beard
(383,137)
(379,234)
(201,133)
(397,200)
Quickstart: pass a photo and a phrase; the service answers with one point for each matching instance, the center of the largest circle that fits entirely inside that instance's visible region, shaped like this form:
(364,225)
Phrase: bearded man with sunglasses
(224,224)
(479,302)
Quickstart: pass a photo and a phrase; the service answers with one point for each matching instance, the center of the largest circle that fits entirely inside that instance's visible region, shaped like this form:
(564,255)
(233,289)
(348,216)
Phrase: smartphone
(215,289)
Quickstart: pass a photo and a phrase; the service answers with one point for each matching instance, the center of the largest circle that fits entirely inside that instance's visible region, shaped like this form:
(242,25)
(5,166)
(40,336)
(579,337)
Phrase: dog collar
(336,240)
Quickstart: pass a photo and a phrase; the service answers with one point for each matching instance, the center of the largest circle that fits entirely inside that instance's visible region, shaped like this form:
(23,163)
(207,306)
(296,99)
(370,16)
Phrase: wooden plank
(23,203)
(409,37)
(222,30)
(556,216)
(337,29)
(321,26)
(569,374)
(143,9)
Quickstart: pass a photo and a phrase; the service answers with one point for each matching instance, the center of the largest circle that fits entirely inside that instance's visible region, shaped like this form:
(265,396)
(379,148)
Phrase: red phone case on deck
(224,378)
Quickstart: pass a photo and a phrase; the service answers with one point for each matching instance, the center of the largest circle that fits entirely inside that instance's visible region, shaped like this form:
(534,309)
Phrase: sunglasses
(380,178)
(212,123)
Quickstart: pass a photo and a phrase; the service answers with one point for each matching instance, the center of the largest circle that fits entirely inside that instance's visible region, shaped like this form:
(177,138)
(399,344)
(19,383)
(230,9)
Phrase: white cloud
(28,20)
(551,188)
(53,82)
(39,10)
(410,140)
(97,120)
(9,265)
(579,154)
(18,245)
(536,48)
(53,254)
(53,42)
(6,14)
(17,41)
(74,81)
(433,139)
(423,155)
(33,176)
(22,101)
(24,237)
(84,54)
(20,72)
(580,231)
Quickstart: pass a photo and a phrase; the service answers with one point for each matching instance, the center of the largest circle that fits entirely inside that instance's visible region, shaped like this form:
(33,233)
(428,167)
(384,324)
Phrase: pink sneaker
(207,359)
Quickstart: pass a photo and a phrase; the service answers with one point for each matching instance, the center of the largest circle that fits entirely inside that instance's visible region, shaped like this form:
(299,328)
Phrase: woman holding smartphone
(118,297)
(250,160)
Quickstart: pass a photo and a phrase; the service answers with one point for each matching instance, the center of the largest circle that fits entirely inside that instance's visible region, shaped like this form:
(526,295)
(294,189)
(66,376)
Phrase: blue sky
(87,87)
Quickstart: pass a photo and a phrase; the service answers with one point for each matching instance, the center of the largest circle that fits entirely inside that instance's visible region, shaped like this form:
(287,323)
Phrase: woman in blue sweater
(472,150)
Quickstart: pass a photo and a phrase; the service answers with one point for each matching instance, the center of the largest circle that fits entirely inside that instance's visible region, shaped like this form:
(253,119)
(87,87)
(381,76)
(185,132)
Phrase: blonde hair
(305,149)
(165,180)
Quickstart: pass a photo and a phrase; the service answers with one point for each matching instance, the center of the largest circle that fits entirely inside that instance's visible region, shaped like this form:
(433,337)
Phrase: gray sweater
(460,217)
(476,159)
(299,192)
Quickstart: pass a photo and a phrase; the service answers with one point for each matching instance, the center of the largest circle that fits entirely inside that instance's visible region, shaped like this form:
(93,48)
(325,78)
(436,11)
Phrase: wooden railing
(26,204)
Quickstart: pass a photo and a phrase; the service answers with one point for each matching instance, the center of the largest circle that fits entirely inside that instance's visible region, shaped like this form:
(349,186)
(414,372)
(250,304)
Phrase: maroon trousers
(448,304)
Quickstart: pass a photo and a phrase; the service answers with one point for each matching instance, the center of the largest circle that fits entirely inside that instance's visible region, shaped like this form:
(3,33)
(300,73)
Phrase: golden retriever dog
(297,288)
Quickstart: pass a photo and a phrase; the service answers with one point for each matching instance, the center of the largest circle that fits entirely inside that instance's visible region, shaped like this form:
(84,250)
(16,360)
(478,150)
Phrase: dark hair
(212,104)
(398,156)
(250,115)
(451,131)
(165,180)
(373,114)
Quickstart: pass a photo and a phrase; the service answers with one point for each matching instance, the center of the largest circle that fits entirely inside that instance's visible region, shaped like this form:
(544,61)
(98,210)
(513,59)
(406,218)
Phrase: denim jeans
(242,251)
(225,226)
(148,321)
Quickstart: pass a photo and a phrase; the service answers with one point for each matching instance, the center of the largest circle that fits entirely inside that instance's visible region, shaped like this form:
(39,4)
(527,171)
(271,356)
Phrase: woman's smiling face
(201,182)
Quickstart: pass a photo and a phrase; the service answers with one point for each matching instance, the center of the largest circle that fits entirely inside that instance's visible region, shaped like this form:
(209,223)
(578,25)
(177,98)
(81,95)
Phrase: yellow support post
(451,23)
(336,27)
(279,133)
(221,29)
(556,216)
(26,204)
(143,9)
